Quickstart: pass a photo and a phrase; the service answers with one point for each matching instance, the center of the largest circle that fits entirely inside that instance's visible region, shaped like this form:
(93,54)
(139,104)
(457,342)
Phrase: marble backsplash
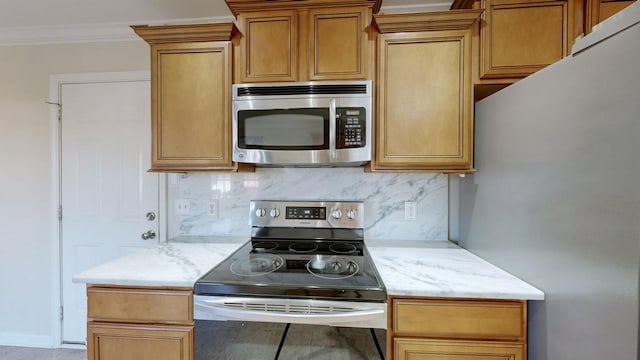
(384,196)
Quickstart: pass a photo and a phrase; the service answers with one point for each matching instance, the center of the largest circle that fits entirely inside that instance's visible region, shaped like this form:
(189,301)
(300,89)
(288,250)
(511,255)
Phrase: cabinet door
(191,122)
(599,10)
(268,46)
(139,342)
(424,104)
(609,8)
(521,37)
(338,43)
(422,349)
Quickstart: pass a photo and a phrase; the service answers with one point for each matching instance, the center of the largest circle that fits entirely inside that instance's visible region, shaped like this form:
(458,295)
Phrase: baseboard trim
(26,340)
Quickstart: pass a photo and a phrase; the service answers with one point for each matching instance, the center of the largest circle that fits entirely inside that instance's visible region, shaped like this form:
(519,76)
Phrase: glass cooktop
(338,270)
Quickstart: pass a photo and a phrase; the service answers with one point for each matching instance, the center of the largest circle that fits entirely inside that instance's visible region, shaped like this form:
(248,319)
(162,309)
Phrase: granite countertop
(174,264)
(443,269)
(407,268)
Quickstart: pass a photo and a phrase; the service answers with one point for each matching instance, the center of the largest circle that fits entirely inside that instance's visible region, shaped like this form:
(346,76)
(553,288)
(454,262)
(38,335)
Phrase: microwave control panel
(351,127)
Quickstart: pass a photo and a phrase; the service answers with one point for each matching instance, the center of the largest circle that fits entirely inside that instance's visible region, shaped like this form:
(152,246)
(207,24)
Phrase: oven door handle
(215,309)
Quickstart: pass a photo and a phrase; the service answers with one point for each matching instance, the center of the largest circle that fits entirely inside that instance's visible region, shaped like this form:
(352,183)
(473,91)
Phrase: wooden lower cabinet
(418,349)
(139,342)
(456,329)
(139,323)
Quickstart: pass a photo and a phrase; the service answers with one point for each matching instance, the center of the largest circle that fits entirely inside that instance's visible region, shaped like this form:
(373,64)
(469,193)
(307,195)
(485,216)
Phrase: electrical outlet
(213,208)
(182,207)
(410,210)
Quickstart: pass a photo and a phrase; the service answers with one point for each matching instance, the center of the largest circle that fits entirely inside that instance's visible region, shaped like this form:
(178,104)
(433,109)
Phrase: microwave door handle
(332,129)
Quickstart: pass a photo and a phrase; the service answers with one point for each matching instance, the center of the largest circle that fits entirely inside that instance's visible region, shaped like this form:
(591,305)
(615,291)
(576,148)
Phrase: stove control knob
(260,212)
(277,264)
(274,213)
(351,214)
(352,267)
(336,266)
(337,214)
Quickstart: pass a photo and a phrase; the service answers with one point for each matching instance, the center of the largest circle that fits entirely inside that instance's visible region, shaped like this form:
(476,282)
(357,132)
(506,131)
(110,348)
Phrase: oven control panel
(320,214)
(306,213)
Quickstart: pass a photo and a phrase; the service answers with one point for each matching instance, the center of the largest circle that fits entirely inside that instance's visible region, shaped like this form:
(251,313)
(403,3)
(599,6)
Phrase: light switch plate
(213,208)
(410,210)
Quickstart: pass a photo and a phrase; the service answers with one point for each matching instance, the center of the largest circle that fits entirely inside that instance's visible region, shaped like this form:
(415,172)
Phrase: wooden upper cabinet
(303,41)
(599,10)
(268,47)
(190,92)
(339,43)
(516,38)
(425,104)
(519,37)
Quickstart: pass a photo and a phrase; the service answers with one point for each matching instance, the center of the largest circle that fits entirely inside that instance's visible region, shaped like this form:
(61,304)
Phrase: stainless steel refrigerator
(556,199)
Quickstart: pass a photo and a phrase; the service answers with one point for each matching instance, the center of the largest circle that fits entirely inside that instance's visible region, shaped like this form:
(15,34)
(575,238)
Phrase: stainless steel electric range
(306,263)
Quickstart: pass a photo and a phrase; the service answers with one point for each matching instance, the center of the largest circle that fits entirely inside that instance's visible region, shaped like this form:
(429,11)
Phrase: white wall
(26,221)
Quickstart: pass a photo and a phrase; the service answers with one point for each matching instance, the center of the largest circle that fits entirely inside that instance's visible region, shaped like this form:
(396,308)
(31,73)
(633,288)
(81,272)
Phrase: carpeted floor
(24,353)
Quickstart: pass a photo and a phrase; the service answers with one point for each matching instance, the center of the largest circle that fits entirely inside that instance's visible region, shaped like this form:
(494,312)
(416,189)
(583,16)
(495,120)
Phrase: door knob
(151,216)
(149,235)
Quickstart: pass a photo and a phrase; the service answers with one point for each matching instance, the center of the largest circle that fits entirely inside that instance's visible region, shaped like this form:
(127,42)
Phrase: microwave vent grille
(311,89)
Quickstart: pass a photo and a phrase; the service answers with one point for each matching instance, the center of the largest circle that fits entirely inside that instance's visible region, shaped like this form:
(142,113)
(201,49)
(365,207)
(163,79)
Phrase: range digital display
(304,213)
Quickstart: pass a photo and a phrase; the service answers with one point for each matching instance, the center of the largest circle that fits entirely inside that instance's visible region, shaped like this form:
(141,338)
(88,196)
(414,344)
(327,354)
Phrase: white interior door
(106,189)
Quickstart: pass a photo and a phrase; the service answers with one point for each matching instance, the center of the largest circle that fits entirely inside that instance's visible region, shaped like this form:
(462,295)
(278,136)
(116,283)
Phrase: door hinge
(59,108)
(59,213)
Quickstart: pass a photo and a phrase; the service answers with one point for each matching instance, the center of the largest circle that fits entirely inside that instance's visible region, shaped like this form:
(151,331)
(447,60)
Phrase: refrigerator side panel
(556,200)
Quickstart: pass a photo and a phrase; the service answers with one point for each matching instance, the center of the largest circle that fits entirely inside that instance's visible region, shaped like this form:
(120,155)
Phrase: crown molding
(403,9)
(86,33)
(185,33)
(114,32)
(428,21)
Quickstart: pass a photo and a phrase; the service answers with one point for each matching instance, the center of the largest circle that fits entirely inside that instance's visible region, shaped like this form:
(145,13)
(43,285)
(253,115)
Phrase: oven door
(276,328)
(230,340)
(286,310)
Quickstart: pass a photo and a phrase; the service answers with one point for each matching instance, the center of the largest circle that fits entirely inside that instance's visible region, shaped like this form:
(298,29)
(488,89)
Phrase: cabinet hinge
(61,313)
(59,213)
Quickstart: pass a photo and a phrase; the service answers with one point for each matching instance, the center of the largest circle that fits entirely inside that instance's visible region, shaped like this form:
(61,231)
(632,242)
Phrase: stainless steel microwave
(325,123)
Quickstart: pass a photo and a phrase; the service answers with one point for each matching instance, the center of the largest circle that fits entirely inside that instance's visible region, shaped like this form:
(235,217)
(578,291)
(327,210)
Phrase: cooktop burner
(303,247)
(256,265)
(334,267)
